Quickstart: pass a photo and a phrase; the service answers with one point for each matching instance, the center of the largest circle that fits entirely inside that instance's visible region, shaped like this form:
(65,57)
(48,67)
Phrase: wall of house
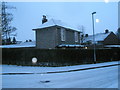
(45,38)
(51,37)
(111,39)
(69,37)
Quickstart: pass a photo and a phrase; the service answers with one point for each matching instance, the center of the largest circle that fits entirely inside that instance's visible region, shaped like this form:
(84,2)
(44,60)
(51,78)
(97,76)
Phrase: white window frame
(63,34)
(80,38)
(76,36)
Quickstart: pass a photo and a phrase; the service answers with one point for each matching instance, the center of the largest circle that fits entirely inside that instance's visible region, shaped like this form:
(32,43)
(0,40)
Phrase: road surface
(106,77)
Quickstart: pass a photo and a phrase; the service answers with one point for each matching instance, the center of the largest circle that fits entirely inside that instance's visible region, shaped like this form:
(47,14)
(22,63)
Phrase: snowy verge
(32,69)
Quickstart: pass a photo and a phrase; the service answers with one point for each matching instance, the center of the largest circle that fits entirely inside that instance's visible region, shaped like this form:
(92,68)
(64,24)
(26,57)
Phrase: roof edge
(57,26)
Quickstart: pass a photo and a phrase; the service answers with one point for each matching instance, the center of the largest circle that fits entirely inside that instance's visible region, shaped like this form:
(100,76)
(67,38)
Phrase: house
(107,38)
(54,33)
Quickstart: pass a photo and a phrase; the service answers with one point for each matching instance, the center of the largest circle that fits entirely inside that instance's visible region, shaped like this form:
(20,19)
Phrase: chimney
(106,31)
(86,35)
(44,19)
(82,35)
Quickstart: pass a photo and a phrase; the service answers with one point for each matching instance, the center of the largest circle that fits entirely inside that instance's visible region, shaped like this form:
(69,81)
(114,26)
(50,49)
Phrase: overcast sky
(28,16)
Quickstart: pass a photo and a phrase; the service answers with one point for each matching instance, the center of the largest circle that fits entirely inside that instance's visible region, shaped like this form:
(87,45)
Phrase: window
(62,34)
(76,36)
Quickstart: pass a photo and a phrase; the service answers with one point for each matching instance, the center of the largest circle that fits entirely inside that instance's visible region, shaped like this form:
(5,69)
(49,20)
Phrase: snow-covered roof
(70,45)
(21,45)
(53,22)
(98,37)
(115,46)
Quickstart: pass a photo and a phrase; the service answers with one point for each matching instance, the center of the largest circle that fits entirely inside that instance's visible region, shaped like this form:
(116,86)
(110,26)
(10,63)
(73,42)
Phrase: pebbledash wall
(57,57)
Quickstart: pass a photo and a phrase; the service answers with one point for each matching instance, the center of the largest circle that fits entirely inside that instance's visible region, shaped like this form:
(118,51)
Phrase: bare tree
(7,29)
(81,28)
(82,34)
(118,33)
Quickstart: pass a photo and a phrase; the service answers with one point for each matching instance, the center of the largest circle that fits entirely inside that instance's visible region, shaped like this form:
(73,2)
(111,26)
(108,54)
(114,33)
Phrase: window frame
(76,36)
(63,34)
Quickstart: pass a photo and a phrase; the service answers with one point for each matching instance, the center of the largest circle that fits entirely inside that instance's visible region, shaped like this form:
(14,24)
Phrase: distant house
(107,38)
(55,33)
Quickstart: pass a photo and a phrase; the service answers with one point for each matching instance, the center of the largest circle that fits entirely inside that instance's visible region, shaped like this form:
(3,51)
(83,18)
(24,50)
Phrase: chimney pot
(106,31)
(44,19)
(86,35)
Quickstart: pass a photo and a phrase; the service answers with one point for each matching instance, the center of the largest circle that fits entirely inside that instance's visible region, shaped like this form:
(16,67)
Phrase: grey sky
(28,15)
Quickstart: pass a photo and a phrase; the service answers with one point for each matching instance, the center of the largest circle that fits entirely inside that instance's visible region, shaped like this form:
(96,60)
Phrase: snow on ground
(106,77)
(31,69)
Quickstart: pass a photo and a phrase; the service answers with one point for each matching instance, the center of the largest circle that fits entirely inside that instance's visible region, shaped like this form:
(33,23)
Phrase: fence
(57,57)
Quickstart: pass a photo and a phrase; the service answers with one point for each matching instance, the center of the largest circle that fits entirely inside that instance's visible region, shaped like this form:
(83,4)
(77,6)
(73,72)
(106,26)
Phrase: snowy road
(106,77)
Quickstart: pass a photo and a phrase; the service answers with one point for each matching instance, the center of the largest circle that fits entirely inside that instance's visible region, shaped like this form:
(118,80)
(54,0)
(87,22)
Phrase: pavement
(90,66)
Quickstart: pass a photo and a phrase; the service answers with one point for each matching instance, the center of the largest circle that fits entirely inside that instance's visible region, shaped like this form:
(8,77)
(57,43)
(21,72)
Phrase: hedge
(57,57)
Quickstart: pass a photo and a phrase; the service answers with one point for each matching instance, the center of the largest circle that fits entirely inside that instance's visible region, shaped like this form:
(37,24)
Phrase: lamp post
(94,36)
